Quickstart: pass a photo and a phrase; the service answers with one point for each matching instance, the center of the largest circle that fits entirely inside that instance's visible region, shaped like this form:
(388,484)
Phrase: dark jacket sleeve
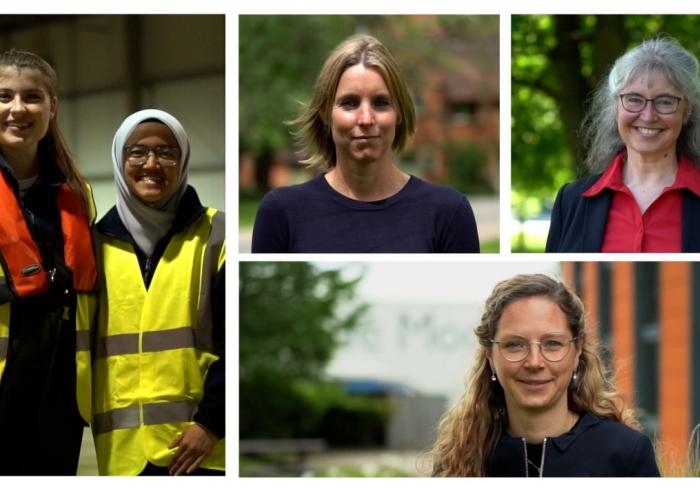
(271,229)
(555,223)
(643,460)
(212,408)
(462,233)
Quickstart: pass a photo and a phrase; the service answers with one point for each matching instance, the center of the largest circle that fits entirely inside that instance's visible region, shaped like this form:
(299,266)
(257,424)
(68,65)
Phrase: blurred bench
(285,456)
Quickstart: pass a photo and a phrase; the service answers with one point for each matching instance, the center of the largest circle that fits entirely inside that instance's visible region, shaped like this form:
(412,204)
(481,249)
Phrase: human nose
(366,114)
(17,105)
(151,160)
(648,111)
(534,354)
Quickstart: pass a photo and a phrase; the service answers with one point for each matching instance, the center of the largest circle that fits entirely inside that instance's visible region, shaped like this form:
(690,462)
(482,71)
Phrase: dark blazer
(578,223)
(593,448)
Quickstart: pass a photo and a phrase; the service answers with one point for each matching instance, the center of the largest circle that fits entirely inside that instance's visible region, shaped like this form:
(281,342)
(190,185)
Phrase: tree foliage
(293,316)
(556,62)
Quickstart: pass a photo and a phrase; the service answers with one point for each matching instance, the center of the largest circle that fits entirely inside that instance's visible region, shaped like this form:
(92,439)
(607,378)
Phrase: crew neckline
(409,187)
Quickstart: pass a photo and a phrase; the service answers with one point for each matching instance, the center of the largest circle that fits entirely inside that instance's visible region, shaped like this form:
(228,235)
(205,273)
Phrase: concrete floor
(87,466)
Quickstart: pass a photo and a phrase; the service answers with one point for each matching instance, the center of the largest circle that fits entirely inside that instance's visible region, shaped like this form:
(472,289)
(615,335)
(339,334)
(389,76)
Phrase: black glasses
(516,349)
(167,156)
(663,104)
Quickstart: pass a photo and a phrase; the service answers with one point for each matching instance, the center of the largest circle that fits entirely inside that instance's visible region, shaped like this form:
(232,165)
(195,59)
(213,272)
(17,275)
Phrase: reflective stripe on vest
(128,343)
(21,256)
(153,414)
(153,348)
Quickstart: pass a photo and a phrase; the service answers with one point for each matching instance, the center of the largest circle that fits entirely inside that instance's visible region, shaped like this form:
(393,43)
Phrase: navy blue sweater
(592,448)
(314,218)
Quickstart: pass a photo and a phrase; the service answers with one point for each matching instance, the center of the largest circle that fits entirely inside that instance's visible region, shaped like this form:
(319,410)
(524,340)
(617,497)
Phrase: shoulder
(435,195)
(611,429)
(616,437)
(111,224)
(576,189)
(608,448)
(290,195)
(437,191)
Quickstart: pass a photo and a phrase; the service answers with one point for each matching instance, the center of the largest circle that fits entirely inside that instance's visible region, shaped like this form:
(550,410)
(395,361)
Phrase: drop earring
(575,377)
(493,377)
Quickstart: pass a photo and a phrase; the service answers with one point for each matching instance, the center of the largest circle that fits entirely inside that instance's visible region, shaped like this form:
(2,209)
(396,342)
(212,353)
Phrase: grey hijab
(148,224)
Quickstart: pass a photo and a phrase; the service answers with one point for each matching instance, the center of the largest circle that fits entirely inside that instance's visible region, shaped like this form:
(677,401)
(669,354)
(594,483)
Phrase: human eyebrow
(345,95)
(513,336)
(382,96)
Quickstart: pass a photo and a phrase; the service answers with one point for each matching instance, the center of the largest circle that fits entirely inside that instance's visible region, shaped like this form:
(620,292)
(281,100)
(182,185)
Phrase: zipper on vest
(147,272)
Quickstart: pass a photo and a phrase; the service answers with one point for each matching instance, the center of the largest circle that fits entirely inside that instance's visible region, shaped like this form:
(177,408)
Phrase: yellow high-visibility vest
(153,347)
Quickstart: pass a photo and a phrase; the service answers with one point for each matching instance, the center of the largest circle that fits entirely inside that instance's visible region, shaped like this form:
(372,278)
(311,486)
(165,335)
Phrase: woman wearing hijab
(158,404)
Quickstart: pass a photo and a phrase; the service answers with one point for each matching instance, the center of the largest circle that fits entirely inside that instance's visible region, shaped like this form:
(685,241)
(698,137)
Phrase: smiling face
(648,133)
(534,384)
(363,117)
(26,108)
(151,182)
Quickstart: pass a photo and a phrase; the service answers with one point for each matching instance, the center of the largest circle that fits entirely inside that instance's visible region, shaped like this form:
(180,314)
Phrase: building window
(463,112)
(695,346)
(578,279)
(646,313)
(604,308)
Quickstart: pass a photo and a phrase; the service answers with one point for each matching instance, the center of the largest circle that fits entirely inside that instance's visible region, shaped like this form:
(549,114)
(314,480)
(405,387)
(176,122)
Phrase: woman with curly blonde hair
(538,402)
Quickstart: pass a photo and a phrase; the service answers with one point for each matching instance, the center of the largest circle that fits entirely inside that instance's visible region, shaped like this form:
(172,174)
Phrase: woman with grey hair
(643,139)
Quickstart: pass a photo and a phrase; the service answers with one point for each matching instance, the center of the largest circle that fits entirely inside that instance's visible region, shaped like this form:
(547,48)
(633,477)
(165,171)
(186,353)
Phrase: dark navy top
(594,447)
(314,218)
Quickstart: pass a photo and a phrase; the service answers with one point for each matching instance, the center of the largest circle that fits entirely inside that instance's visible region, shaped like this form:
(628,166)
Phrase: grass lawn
(246,212)
(490,246)
(533,243)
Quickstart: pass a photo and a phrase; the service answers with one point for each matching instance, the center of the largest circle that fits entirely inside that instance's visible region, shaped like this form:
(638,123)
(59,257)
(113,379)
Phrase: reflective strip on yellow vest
(153,348)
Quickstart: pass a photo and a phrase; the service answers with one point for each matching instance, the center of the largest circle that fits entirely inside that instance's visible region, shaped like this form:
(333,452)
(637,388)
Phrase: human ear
(54,107)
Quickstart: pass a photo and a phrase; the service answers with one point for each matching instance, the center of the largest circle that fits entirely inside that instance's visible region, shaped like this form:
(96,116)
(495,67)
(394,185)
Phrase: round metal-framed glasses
(167,156)
(663,104)
(516,349)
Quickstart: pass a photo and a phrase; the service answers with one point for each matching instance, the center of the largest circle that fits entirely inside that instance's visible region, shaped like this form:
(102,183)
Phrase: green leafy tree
(293,316)
(274,79)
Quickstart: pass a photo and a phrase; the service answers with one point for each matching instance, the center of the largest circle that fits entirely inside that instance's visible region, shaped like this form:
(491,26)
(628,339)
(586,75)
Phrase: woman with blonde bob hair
(537,401)
(360,115)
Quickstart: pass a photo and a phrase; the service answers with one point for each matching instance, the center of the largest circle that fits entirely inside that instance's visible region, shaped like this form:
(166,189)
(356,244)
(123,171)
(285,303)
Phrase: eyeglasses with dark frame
(663,104)
(167,156)
(516,349)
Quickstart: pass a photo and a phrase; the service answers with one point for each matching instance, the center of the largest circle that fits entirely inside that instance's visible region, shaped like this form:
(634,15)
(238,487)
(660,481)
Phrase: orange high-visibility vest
(24,273)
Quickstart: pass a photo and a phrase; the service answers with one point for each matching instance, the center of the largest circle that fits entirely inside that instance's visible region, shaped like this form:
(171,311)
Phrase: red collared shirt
(659,229)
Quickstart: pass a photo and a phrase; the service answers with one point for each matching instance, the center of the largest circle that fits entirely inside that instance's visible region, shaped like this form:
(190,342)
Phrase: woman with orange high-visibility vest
(47,274)
(158,365)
